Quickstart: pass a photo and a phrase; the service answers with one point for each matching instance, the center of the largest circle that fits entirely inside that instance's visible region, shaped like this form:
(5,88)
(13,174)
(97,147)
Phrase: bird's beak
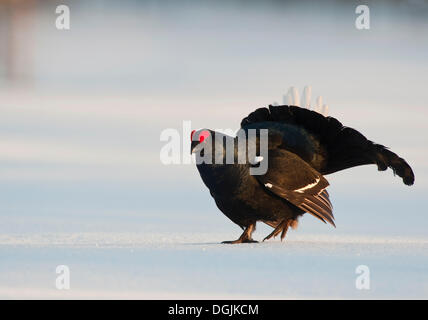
(193,146)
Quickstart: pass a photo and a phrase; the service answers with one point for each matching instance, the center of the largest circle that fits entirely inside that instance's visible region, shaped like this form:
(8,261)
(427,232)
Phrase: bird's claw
(240,241)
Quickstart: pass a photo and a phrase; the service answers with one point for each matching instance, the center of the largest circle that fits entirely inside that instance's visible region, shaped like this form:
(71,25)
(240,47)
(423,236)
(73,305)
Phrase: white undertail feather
(306,97)
(288,98)
(318,103)
(292,99)
(324,110)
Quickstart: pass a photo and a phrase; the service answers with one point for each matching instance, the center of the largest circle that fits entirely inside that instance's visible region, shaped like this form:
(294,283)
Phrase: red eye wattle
(203,135)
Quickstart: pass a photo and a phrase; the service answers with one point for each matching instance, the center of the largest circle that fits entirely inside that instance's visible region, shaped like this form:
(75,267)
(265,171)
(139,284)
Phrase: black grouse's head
(200,139)
(209,146)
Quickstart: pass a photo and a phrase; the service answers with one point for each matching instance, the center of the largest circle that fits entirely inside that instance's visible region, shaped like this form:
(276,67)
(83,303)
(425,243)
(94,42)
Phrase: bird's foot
(240,241)
(274,233)
(245,236)
(282,227)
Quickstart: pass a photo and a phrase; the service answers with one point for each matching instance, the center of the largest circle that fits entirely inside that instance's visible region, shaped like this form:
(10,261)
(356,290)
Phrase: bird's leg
(283,226)
(285,229)
(275,232)
(246,236)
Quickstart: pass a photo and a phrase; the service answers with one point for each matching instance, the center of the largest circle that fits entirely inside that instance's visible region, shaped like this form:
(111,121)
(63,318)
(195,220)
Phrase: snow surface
(186,266)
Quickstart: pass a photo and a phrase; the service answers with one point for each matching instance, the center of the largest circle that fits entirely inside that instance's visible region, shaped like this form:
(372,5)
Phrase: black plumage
(303,147)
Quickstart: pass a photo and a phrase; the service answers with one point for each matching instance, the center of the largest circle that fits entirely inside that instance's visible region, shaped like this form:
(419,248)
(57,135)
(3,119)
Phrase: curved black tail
(386,158)
(344,147)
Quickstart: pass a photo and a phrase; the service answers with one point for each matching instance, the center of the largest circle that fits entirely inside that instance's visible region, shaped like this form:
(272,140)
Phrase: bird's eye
(191,135)
(203,135)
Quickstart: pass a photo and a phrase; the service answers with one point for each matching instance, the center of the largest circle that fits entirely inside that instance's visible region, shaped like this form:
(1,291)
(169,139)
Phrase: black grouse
(303,146)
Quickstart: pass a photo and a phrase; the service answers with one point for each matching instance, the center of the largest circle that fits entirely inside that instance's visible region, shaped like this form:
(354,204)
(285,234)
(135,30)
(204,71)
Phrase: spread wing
(291,178)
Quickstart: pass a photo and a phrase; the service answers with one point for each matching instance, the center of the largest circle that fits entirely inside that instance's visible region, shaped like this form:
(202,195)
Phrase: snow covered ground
(183,266)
